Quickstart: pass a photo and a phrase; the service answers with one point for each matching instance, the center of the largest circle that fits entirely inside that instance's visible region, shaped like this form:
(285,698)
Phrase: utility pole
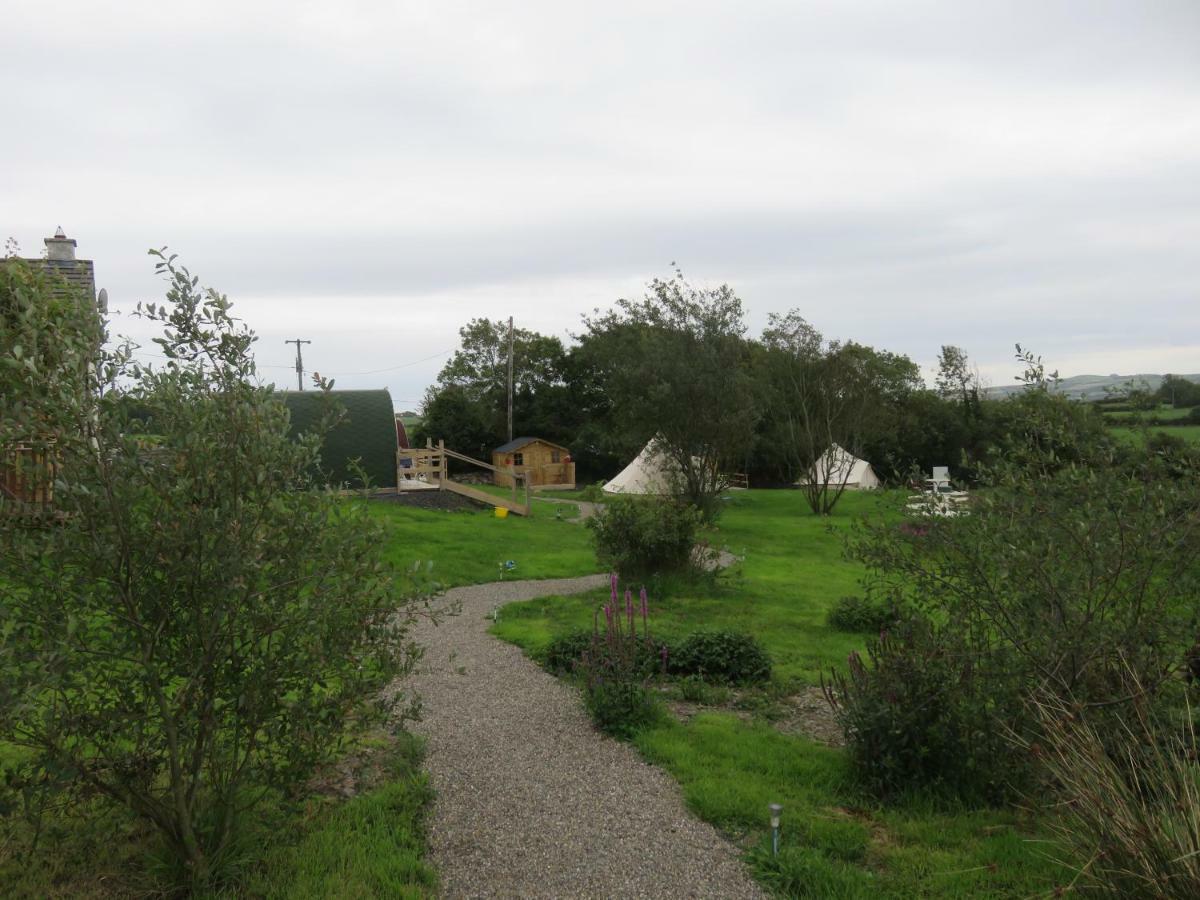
(510,373)
(299,361)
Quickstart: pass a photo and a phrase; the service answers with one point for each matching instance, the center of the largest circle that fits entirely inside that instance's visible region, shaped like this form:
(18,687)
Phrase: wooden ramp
(484,497)
(425,469)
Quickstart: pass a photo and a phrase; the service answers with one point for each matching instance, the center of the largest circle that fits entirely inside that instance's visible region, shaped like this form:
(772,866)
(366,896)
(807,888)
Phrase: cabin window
(518,459)
(555,456)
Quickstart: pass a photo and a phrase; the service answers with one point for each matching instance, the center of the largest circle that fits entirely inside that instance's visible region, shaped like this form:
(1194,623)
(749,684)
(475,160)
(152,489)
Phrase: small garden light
(776,809)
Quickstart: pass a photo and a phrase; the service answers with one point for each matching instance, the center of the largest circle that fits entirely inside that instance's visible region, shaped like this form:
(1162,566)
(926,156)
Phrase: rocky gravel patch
(531,800)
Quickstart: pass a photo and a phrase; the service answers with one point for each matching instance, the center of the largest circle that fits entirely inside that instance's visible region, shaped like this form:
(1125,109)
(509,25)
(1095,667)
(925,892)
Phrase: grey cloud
(907,174)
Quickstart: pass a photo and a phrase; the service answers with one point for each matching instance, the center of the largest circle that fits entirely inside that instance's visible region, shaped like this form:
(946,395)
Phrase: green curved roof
(368,432)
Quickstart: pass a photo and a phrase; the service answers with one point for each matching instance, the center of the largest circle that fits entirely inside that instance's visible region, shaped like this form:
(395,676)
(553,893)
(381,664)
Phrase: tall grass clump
(1128,791)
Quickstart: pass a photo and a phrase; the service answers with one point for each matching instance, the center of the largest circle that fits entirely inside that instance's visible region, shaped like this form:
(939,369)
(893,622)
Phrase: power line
(392,368)
(258,365)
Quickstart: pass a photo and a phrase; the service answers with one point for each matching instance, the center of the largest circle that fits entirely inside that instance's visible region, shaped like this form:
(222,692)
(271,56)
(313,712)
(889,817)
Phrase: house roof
(518,443)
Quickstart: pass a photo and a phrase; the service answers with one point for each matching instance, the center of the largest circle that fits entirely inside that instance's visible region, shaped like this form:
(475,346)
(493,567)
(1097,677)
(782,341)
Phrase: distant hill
(1091,387)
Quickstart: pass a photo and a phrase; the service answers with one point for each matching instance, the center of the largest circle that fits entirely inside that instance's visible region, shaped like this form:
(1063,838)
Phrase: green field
(793,571)
(1189,433)
(1162,412)
(1124,425)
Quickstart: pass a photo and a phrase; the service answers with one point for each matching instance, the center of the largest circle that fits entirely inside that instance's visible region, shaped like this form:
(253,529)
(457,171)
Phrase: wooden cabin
(547,466)
(27,479)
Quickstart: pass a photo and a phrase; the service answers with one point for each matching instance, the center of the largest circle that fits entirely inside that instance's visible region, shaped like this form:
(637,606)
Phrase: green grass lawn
(792,573)
(467,547)
(837,842)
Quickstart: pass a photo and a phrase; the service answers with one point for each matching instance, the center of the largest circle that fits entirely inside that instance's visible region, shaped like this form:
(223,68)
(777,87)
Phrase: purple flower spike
(612,583)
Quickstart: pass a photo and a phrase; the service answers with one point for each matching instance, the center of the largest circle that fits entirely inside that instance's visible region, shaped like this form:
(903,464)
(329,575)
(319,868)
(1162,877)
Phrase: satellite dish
(102,300)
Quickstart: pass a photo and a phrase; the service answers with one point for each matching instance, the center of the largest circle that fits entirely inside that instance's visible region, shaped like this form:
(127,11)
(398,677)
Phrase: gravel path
(531,800)
(587,509)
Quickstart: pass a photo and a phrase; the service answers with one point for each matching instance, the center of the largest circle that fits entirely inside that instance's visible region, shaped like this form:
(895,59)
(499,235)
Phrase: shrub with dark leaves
(728,656)
(858,614)
(920,713)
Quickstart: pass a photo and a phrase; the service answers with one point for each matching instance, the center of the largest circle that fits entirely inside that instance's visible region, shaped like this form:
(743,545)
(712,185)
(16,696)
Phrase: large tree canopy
(676,366)
(468,407)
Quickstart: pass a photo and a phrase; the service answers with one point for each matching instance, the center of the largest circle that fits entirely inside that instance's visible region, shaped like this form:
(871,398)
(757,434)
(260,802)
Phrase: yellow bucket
(501,512)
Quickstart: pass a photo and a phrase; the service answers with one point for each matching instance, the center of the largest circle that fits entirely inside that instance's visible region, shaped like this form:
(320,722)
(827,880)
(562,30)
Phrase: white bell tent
(838,465)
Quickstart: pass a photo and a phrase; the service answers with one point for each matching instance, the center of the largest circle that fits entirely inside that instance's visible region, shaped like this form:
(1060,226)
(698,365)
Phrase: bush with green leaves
(858,614)
(723,656)
(593,493)
(1076,571)
(918,713)
(563,653)
(643,535)
(202,621)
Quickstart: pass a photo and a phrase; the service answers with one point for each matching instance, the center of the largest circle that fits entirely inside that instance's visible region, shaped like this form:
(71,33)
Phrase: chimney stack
(60,247)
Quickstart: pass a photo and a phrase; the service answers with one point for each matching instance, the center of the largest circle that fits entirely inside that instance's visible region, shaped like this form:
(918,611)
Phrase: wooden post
(526,480)
(442,464)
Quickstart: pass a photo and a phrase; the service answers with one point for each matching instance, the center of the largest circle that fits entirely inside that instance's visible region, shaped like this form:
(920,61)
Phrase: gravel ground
(531,800)
(586,509)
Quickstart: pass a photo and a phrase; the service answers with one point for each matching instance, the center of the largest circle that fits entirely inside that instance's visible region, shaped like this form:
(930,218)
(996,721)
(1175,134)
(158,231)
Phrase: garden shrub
(593,493)
(859,614)
(1075,573)
(920,714)
(614,668)
(729,656)
(564,652)
(642,535)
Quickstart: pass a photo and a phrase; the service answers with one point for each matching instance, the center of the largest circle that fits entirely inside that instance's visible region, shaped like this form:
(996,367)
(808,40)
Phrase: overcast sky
(370,176)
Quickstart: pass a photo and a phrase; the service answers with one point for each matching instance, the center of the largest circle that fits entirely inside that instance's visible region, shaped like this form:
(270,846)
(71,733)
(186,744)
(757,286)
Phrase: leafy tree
(468,407)
(49,337)
(1181,393)
(828,393)
(677,368)
(1134,393)
(956,380)
(202,620)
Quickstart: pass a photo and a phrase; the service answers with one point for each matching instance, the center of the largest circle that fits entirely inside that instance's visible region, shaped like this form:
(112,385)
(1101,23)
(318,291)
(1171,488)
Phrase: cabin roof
(518,443)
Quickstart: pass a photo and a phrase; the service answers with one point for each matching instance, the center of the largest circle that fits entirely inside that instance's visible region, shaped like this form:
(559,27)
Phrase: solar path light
(776,809)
